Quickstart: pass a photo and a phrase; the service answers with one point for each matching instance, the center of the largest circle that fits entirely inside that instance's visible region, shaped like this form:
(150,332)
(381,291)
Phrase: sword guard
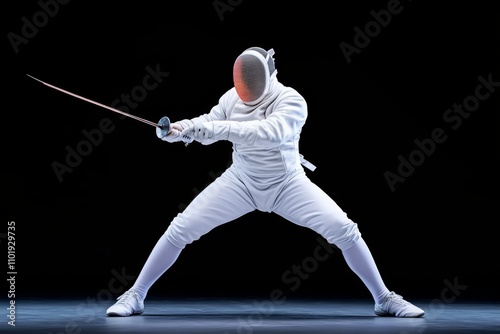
(164,127)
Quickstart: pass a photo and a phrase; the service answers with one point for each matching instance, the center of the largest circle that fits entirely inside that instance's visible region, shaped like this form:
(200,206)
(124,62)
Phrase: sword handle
(164,129)
(164,126)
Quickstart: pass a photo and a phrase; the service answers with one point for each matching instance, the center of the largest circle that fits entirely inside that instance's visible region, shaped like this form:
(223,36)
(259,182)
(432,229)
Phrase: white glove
(174,135)
(208,133)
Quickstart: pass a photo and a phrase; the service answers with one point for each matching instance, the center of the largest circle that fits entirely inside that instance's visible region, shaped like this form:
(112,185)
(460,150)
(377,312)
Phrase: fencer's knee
(184,230)
(173,240)
(177,234)
(343,236)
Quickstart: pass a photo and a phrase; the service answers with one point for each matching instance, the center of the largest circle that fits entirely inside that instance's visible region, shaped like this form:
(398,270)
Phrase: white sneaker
(395,306)
(128,304)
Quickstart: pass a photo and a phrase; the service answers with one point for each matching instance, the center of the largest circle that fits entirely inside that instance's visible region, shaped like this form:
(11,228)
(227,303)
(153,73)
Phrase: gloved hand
(174,135)
(208,133)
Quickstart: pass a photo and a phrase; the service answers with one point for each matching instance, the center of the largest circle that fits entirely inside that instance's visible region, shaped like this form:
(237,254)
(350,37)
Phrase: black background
(103,217)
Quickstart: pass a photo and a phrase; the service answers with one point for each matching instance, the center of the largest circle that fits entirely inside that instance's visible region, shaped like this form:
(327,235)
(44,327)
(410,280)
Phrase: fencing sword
(163,124)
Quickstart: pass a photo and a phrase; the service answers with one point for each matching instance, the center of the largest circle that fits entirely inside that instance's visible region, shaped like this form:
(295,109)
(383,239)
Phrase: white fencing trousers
(293,196)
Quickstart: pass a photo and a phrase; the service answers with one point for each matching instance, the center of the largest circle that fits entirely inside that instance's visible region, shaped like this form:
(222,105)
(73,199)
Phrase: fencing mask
(252,72)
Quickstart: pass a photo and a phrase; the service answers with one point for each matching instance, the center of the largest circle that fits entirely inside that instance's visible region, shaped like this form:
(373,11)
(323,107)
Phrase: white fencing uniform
(263,119)
(266,173)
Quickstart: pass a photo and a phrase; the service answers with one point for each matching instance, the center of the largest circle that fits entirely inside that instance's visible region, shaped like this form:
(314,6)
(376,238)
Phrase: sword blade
(99,104)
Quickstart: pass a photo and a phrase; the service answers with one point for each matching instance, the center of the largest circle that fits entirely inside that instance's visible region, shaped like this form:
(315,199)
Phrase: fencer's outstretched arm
(174,135)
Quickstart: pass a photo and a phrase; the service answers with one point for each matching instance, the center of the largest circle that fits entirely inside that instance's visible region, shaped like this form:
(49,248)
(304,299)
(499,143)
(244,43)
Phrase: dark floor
(247,316)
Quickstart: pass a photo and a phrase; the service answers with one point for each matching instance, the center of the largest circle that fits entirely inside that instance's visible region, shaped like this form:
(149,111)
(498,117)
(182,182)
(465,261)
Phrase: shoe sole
(380,314)
(114,314)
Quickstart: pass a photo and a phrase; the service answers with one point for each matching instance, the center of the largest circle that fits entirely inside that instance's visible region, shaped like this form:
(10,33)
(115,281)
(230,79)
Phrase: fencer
(263,120)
